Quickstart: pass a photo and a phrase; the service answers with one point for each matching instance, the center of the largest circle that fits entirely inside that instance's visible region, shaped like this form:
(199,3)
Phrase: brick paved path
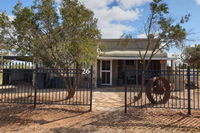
(108,99)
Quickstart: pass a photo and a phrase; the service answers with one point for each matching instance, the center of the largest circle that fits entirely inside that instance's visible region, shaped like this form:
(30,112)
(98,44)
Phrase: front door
(106,72)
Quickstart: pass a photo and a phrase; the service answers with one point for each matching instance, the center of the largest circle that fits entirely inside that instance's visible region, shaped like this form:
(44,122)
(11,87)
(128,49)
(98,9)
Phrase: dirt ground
(107,117)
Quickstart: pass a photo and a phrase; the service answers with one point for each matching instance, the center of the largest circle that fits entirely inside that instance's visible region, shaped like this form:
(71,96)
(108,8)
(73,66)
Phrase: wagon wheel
(158,90)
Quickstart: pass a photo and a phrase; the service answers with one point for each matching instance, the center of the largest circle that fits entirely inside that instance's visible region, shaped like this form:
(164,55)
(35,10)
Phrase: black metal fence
(21,82)
(176,88)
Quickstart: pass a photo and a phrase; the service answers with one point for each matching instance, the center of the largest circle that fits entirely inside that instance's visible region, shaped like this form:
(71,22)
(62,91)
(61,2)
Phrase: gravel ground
(107,116)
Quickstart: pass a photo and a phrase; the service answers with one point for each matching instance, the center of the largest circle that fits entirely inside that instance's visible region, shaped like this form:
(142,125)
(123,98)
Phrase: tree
(162,33)
(191,55)
(3,53)
(59,36)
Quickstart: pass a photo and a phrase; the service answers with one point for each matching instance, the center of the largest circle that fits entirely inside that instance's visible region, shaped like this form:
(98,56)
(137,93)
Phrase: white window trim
(106,71)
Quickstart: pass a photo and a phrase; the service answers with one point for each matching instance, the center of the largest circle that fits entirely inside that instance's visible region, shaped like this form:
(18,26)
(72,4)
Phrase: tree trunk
(71,83)
(139,96)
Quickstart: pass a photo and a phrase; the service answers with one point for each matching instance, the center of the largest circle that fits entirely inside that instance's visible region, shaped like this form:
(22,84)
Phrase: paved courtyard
(107,117)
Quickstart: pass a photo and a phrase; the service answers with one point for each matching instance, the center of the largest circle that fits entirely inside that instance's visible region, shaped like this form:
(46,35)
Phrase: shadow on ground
(149,119)
(19,115)
(136,119)
(58,119)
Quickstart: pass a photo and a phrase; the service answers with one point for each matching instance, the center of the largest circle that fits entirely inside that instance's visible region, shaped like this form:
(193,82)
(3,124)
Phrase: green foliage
(162,31)
(191,56)
(159,8)
(57,35)
(163,28)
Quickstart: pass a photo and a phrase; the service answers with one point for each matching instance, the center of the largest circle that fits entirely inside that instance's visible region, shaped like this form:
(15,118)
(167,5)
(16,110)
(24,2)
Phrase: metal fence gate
(21,83)
(177,88)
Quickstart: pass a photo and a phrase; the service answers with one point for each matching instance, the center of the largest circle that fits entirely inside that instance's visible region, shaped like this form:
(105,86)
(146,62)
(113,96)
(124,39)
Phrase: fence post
(125,110)
(91,86)
(35,85)
(189,93)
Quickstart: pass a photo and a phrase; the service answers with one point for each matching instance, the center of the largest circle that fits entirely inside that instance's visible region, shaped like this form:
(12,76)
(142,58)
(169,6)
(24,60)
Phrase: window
(105,65)
(106,72)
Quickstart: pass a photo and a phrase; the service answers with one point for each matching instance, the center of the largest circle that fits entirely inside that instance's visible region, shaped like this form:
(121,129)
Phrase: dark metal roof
(18,58)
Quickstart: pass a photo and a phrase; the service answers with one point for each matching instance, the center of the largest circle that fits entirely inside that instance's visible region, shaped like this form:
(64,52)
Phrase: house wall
(164,66)
(98,73)
(95,69)
(114,72)
(115,67)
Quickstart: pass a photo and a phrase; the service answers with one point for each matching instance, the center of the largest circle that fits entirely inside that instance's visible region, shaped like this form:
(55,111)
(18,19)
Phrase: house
(120,55)
(117,57)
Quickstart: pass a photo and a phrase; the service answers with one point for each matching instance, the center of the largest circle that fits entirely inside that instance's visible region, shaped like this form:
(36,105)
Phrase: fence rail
(24,84)
(177,89)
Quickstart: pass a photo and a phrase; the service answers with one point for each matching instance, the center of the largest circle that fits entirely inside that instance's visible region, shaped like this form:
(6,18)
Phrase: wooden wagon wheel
(158,90)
